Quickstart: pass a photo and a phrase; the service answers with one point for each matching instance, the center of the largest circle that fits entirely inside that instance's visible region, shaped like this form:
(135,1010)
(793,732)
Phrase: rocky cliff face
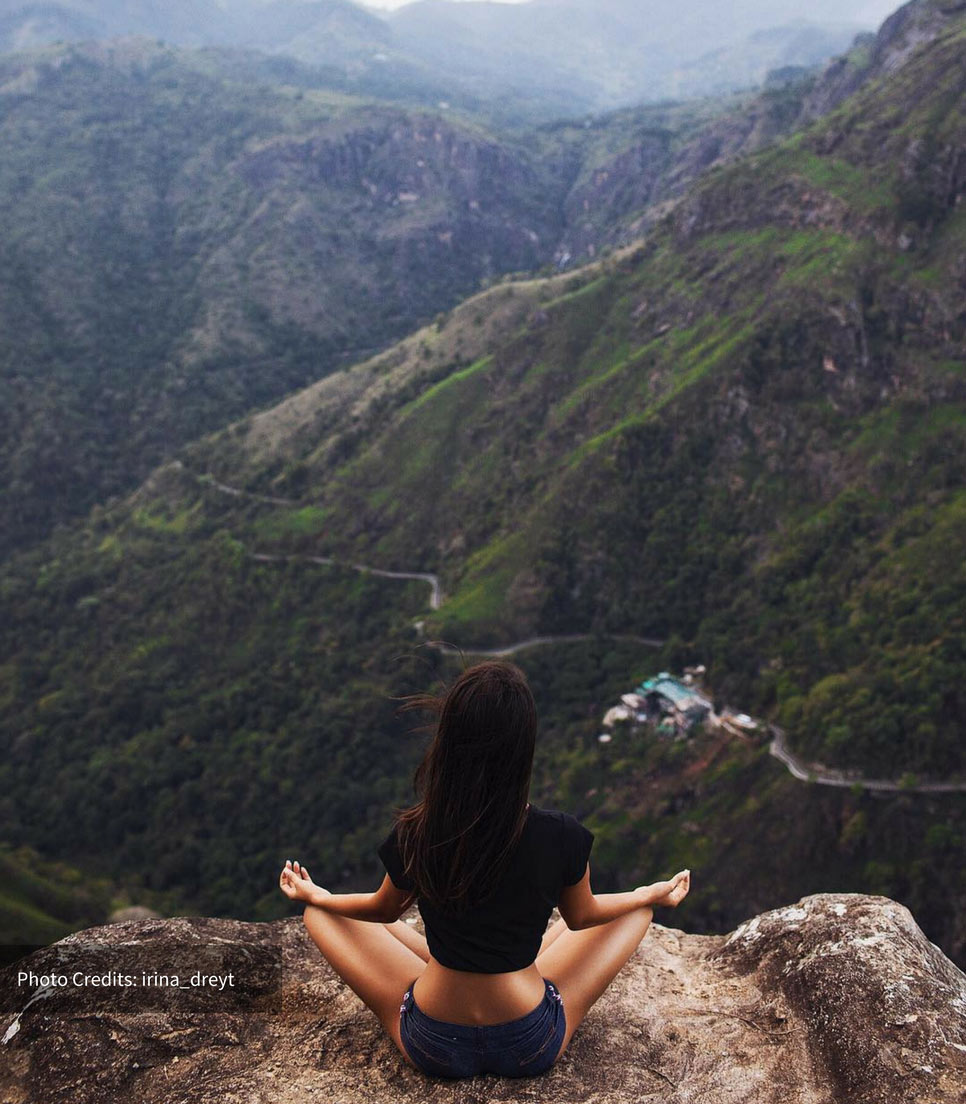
(837,998)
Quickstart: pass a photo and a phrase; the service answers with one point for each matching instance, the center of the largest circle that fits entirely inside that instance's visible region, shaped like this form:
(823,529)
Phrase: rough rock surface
(839,998)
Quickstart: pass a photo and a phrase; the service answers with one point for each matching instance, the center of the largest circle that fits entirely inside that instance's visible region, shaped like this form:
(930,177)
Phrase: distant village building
(674,707)
(617,713)
(670,698)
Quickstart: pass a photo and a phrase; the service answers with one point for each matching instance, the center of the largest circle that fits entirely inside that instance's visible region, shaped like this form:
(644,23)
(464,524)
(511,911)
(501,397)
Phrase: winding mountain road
(778,748)
(436,592)
(539,641)
(828,776)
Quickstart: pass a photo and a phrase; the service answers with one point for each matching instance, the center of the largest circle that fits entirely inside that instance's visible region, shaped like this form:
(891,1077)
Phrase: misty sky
(399,3)
(872,13)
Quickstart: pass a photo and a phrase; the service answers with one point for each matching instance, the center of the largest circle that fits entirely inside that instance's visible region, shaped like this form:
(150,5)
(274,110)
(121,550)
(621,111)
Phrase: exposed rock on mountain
(837,998)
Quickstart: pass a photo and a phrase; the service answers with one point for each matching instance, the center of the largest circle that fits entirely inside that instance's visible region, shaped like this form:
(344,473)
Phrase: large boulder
(839,998)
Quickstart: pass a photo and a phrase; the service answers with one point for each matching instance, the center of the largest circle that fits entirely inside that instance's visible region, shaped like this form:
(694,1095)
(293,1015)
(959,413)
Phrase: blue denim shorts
(518,1048)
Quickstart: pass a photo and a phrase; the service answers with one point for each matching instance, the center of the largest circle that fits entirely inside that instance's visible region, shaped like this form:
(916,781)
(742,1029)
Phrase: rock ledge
(838,998)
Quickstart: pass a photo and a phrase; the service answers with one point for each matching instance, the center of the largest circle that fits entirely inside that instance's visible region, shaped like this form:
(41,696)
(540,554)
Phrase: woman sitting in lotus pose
(489,990)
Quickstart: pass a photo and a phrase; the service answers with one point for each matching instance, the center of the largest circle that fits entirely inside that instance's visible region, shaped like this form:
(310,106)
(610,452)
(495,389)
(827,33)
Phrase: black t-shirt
(504,932)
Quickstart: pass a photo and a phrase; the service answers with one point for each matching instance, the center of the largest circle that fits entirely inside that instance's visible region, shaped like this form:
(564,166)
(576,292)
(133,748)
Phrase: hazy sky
(399,3)
(873,12)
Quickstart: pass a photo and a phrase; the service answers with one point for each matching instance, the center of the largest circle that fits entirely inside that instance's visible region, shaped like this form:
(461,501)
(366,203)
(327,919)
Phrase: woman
(488,990)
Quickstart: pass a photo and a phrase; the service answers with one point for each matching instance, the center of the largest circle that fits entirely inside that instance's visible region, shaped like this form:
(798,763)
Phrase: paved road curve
(826,776)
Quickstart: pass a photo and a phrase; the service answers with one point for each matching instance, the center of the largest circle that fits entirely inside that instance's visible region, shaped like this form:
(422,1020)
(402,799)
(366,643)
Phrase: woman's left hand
(296,882)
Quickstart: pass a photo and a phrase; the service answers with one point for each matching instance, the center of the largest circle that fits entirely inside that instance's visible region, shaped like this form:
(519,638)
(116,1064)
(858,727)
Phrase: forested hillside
(746,434)
(184,241)
(178,248)
(761,407)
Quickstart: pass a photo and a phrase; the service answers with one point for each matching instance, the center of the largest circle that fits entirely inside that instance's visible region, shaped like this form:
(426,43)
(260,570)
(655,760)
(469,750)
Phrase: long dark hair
(472,785)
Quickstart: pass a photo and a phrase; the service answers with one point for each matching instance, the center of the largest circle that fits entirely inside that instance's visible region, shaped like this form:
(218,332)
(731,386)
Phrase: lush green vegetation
(42,901)
(189,236)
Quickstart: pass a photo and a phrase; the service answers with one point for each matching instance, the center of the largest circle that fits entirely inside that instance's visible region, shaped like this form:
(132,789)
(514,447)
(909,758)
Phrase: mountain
(43,901)
(185,241)
(180,247)
(744,434)
(521,63)
(24,26)
(793,50)
(593,57)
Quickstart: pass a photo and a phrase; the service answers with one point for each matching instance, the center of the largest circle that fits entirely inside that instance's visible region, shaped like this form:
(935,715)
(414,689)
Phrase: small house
(667,695)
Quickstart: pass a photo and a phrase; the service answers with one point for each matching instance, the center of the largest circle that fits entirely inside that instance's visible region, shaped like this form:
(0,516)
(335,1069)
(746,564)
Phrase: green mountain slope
(184,241)
(42,901)
(767,396)
(186,238)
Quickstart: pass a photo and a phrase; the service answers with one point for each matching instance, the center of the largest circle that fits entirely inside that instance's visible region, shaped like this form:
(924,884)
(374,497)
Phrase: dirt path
(431,580)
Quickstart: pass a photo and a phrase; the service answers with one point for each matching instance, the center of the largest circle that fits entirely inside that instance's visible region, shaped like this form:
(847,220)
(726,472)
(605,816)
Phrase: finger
(305,874)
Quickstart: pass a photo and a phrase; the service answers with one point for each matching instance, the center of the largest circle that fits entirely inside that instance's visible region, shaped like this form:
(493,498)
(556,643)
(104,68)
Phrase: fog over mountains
(559,56)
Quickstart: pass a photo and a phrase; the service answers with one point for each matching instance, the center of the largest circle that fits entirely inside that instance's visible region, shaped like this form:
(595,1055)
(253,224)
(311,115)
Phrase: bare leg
(375,965)
(583,963)
(409,937)
(552,934)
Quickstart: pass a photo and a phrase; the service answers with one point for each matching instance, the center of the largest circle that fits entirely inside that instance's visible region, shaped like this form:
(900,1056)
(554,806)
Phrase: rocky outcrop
(839,998)
(912,25)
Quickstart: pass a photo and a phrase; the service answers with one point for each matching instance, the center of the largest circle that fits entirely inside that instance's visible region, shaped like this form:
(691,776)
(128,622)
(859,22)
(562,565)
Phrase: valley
(737,435)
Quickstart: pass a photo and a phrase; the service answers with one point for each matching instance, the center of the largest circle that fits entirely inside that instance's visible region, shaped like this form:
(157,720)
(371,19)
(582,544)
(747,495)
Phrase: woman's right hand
(296,883)
(669,894)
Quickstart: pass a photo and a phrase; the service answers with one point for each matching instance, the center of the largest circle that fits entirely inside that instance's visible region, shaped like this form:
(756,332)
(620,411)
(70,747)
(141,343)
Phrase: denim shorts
(518,1048)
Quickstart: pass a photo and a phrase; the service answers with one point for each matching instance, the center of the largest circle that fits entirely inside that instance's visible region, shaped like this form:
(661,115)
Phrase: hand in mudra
(296,882)
(674,891)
